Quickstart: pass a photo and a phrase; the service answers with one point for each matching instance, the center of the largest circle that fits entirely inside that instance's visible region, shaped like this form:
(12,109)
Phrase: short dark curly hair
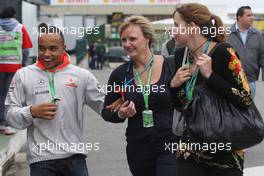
(43,28)
(8,12)
(241,11)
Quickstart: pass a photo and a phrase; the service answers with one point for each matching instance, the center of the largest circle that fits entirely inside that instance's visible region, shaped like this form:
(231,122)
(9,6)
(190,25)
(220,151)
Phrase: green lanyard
(144,92)
(52,87)
(190,84)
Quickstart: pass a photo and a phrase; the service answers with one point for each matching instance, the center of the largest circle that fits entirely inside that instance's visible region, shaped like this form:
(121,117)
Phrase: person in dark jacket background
(13,57)
(249,44)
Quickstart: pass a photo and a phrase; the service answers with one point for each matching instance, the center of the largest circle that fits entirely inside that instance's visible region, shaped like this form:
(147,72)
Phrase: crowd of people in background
(96,51)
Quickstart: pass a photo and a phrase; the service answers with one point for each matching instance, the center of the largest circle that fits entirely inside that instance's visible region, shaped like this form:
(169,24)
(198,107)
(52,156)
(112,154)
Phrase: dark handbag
(213,119)
(177,123)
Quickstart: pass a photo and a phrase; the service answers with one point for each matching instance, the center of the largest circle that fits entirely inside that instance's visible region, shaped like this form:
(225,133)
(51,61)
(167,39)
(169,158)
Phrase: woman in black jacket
(200,31)
(143,84)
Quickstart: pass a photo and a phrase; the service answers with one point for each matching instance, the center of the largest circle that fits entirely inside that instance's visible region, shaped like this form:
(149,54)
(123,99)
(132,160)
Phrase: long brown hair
(202,17)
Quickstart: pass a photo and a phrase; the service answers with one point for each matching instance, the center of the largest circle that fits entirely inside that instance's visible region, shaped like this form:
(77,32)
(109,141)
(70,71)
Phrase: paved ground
(110,160)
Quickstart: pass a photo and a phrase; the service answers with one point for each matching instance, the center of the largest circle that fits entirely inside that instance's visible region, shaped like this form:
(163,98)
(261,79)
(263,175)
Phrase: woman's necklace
(191,53)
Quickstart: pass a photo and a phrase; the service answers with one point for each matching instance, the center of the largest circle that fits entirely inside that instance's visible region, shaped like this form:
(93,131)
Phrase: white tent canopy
(226,20)
(165,21)
(219,10)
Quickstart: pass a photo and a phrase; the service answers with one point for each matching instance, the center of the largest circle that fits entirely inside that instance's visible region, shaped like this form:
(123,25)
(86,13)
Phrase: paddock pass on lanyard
(52,88)
(190,84)
(147,114)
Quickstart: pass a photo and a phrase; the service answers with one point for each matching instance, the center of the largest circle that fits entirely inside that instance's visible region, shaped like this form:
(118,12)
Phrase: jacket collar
(235,30)
(8,24)
(66,61)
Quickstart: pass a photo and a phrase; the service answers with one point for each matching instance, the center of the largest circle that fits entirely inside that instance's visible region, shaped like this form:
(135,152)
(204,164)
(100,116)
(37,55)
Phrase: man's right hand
(115,106)
(45,111)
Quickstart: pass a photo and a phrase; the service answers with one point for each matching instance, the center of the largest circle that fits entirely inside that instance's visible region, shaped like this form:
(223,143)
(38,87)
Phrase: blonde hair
(144,24)
(202,17)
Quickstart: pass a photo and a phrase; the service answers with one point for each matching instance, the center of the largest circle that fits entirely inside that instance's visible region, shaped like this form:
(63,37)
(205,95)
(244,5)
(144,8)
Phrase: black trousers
(150,159)
(72,166)
(190,167)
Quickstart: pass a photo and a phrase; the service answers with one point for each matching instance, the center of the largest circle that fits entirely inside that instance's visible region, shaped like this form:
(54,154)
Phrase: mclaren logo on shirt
(71,82)
(42,92)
